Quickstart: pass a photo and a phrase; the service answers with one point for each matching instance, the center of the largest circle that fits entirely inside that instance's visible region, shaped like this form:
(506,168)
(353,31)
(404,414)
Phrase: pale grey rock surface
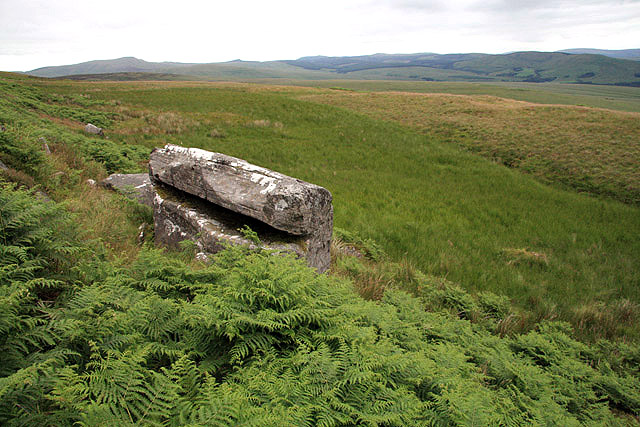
(135,186)
(207,197)
(283,202)
(289,215)
(93,129)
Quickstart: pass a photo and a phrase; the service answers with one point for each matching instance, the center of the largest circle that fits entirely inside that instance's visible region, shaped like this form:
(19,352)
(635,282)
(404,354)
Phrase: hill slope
(120,65)
(97,330)
(518,67)
(632,54)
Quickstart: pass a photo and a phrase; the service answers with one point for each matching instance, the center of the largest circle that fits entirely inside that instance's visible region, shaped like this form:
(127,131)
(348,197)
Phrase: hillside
(99,327)
(120,65)
(515,67)
(631,54)
(520,66)
(468,236)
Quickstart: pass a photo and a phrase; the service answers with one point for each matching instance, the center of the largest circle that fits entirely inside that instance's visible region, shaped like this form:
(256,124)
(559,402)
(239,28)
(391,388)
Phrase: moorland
(604,68)
(498,282)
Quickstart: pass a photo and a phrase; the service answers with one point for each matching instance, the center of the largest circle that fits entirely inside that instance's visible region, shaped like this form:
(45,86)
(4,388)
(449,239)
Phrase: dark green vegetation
(261,340)
(96,330)
(632,54)
(535,67)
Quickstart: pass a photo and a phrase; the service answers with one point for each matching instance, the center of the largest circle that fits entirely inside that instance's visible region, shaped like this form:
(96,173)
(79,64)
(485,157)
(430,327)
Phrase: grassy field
(589,150)
(598,96)
(555,253)
(98,327)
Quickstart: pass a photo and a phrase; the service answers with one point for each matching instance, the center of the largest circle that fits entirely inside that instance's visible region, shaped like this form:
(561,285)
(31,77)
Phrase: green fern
(256,339)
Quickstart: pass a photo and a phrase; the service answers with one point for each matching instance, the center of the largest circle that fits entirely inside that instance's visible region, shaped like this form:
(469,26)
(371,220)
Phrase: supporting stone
(179,216)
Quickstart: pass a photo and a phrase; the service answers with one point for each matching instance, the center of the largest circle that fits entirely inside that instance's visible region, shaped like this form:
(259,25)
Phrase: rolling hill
(462,292)
(120,65)
(533,67)
(632,54)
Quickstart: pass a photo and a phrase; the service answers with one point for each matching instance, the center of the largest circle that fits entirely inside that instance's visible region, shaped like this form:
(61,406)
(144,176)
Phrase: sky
(38,33)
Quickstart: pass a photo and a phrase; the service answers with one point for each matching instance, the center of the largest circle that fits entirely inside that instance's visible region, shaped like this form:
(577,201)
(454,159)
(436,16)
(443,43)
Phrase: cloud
(36,33)
(410,5)
(526,6)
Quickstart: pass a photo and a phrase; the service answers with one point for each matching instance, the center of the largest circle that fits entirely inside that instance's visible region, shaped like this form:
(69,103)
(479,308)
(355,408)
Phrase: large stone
(180,216)
(283,202)
(136,186)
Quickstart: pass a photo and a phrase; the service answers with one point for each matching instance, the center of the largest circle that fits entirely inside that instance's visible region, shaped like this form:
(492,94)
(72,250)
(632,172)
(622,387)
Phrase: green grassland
(449,213)
(594,151)
(100,329)
(599,96)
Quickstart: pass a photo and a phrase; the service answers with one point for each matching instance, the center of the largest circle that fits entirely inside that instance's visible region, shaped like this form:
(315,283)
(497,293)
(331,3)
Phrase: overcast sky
(37,33)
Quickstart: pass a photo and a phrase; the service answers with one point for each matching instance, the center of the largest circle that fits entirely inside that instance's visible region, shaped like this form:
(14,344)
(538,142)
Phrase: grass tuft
(517,256)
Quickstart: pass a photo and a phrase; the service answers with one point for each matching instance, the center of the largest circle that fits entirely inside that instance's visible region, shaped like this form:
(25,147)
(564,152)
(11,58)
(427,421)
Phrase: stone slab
(283,202)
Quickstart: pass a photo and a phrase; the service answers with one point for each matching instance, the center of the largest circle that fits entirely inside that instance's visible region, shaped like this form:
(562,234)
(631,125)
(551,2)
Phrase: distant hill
(560,67)
(121,65)
(518,66)
(631,54)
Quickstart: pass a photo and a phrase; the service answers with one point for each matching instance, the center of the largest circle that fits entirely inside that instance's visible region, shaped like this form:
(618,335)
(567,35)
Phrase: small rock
(93,129)
(91,182)
(3,166)
(142,233)
(203,257)
(41,195)
(136,186)
(45,146)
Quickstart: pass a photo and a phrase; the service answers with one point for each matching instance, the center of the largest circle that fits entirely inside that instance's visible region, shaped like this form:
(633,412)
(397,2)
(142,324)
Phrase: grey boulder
(283,202)
(179,216)
(93,129)
(289,215)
